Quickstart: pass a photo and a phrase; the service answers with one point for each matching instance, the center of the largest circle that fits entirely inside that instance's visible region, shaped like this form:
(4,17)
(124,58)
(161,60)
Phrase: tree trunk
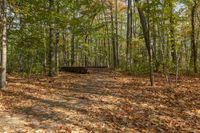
(72,49)
(64,49)
(145,29)
(45,50)
(172,36)
(113,39)
(57,53)
(4,48)
(129,32)
(193,43)
(116,28)
(51,45)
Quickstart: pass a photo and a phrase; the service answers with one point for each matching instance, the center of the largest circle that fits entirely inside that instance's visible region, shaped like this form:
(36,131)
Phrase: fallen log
(81,70)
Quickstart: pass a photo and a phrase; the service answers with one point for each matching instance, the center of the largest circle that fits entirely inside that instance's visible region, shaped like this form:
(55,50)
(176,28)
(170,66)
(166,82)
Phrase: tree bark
(116,28)
(145,29)
(45,50)
(193,42)
(113,39)
(129,32)
(57,52)
(4,48)
(72,49)
(51,45)
(64,49)
(172,36)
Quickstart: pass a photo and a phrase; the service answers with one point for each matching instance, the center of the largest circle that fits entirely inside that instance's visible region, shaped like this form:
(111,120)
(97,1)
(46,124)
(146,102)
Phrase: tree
(129,31)
(101,33)
(145,29)
(116,32)
(172,31)
(193,42)
(113,38)
(51,44)
(72,48)
(4,47)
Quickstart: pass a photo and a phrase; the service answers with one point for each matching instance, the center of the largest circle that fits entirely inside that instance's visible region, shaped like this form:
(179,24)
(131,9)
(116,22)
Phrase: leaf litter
(99,102)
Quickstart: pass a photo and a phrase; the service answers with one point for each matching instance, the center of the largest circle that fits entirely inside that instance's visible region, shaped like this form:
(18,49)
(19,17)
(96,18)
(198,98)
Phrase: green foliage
(90,22)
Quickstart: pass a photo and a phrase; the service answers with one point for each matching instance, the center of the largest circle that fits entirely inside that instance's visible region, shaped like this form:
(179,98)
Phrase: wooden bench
(97,69)
(81,70)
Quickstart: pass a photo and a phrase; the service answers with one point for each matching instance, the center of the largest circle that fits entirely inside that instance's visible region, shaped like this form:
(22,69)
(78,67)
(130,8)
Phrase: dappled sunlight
(103,102)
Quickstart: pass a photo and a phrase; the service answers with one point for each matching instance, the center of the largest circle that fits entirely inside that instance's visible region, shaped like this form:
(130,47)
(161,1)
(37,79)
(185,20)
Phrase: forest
(95,66)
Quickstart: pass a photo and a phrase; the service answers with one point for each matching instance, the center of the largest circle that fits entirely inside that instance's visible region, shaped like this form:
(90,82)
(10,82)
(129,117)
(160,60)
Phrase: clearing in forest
(99,102)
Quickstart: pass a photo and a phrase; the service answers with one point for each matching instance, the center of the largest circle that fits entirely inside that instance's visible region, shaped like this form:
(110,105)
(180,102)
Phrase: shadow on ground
(101,102)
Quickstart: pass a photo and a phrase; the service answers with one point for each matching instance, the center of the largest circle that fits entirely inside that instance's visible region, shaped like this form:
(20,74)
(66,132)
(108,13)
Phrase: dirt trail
(99,102)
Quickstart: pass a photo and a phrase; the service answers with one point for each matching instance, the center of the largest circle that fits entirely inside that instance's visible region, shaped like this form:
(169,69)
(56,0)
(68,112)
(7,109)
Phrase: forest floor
(99,102)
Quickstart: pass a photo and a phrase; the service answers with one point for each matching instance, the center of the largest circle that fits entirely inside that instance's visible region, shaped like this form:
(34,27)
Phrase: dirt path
(99,102)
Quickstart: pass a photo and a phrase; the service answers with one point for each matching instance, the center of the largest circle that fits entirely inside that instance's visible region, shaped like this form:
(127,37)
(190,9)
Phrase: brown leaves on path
(99,102)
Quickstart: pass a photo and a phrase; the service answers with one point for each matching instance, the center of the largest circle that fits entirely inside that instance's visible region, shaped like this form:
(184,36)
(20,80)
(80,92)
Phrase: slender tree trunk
(64,50)
(72,48)
(57,53)
(45,51)
(162,42)
(145,29)
(87,52)
(109,52)
(96,50)
(154,34)
(104,52)
(4,48)
(116,28)
(113,40)
(177,71)
(193,42)
(172,36)
(129,32)
(187,57)
(100,52)
(106,37)
(51,45)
